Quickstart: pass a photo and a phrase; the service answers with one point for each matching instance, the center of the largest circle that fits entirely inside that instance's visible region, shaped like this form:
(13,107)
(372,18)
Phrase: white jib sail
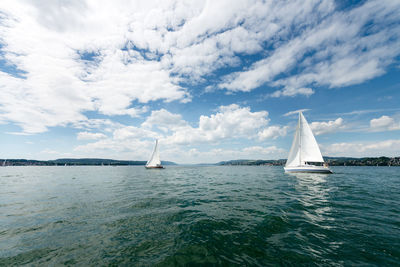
(155,157)
(304,147)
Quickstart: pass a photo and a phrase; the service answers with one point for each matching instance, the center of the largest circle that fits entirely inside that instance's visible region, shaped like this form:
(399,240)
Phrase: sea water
(215,215)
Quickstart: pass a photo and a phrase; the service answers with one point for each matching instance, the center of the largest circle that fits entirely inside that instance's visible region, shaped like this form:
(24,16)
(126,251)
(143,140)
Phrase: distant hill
(78,162)
(332,161)
(368,161)
(271,162)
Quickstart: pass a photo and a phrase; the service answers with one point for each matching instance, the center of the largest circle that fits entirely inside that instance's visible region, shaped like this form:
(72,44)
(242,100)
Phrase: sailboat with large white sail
(154,162)
(304,150)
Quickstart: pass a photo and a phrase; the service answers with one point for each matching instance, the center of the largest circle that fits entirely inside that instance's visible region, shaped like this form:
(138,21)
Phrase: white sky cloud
(90,136)
(130,132)
(293,91)
(230,121)
(384,123)
(177,137)
(106,125)
(272,132)
(363,149)
(164,120)
(72,59)
(327,127)
(80,64)
(334,53)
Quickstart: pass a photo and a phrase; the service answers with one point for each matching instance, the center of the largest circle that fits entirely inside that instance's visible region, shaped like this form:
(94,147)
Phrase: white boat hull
(308,168)
(154,167)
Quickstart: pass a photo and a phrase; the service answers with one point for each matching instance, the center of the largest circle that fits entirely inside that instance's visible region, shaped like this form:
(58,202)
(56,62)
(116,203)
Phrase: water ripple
(243,216)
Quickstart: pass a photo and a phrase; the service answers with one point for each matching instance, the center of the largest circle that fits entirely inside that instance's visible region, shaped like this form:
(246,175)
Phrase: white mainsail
(154,161)
(304,147)
(294,154)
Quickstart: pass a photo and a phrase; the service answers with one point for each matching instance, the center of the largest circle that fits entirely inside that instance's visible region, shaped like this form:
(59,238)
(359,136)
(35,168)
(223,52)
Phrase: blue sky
(212,80)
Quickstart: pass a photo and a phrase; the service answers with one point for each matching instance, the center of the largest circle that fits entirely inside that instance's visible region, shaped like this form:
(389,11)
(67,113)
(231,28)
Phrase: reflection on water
(313,194)
(312,188)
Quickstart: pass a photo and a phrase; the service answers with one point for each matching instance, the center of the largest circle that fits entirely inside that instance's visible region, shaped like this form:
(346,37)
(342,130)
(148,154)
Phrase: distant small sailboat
(4,163)
(304,149)
(154,162)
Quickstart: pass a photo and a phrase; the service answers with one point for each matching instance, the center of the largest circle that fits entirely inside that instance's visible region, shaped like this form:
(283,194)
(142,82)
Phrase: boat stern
(308,169)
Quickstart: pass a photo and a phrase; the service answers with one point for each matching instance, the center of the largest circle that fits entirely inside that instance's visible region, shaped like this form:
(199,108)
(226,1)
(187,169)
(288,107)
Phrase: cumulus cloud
(75,57)
(384,123)
(178,138)
(130,132)
(135,149)
(230,121)
(272,132)
(105,125)
(164,120)
(90,136)
(323,127)
(363,149)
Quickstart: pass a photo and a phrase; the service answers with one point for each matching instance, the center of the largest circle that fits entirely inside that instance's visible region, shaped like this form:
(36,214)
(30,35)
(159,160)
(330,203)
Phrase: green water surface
(201,216)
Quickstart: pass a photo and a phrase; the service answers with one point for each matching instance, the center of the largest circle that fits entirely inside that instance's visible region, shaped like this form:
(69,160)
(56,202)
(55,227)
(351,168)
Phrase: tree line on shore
(74,162)
(332,161)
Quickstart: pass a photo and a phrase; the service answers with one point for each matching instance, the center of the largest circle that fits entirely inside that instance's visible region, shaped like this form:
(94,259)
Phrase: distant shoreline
(332,161)
(75,162)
